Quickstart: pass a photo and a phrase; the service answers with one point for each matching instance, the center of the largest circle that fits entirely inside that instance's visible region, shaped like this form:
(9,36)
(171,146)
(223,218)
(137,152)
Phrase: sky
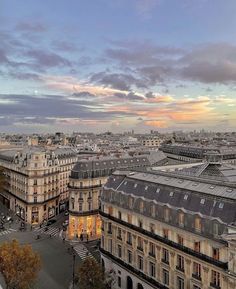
(102,65)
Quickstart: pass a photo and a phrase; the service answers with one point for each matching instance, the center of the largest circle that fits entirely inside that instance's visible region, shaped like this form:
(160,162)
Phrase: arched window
(139,286)
(129,283)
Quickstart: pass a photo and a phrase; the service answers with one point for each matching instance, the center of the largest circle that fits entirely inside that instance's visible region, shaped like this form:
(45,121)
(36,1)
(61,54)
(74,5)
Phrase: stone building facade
(171,230)
(85,186)
(36,182)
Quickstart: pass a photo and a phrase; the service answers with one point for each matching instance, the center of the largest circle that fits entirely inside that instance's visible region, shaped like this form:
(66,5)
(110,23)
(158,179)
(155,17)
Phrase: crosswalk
(82,251)
(53,231)
(7,231)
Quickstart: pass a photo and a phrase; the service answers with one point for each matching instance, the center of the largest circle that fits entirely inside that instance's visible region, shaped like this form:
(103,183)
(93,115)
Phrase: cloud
(119,81)
(129,96)
(156,123)
(145,7)
(34,27)
(47,59)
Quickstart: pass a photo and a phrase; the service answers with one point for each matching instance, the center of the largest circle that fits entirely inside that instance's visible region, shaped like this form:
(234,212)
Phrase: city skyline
(98,66)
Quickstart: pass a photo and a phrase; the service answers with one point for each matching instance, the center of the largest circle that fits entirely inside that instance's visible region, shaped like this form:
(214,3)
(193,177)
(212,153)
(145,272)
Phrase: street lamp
(73,268)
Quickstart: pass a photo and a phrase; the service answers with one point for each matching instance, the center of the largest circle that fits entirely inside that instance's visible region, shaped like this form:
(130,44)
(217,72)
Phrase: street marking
(7,231)
(53,231)
(82,251)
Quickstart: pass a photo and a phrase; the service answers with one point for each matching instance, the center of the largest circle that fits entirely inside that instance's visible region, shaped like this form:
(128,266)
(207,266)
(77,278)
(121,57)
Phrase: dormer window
(146,187)
(135,185)
(212,187)
(157,190)
(202,202)
(171,194)
(125,183)
(185,197)
(221,205)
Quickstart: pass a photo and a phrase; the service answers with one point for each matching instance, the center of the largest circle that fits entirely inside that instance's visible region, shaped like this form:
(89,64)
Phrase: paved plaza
(56,255)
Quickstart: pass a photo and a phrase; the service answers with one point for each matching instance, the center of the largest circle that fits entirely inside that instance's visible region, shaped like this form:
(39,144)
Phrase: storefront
(20,212)
(4,200)
(35,215)
(51,212)
(84,225)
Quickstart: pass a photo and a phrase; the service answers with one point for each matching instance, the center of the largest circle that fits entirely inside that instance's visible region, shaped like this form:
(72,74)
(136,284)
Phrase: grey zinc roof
(110,163)
(153,189)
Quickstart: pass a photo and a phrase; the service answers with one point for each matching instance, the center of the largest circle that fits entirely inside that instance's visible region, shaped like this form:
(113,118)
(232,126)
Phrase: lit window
(198,224)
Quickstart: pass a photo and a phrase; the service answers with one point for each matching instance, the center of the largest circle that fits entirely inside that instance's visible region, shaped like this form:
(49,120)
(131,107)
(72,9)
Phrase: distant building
(171,230)
(153,141)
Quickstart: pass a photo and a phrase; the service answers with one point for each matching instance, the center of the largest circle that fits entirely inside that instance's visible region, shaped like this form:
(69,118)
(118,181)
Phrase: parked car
(50,222)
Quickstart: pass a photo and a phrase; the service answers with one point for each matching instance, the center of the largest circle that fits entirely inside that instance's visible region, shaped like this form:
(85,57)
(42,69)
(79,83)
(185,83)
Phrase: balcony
(197,277)
(179,268)
(172,244)
(165,261)
(140,248)
(153,255)
(215,285)
(135,271)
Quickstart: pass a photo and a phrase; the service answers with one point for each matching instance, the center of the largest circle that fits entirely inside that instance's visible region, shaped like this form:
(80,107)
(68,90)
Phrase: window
(180,263)
(215,278)
(119,281)
(166,215)
(152,249)
(129,238)
(197,247)
(119,251)
(152,269)
(215,229)
(185,197)
(119,234)
(140,223)
(35,199)
(109,228)
(110,210)
(152,228)
(221,205)
(180,283)
(81,184)
(80,207)
(181,219)
(129,254)
(165,277)
(165,256)
(202,202)
(171,194)
(165,233)
(198,224)
(129,218)
(35,182)
(110,245)
(140,244)
(216,253)
(140,263)
(196,270)
(153,211)
(119,215)
(180,240)
(141,206)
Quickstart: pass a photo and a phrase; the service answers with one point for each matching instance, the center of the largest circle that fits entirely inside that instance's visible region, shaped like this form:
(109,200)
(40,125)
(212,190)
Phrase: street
(56,272)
